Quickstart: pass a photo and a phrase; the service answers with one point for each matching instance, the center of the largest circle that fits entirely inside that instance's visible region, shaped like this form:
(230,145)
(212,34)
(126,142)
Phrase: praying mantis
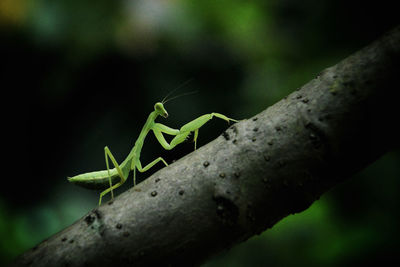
(120,172)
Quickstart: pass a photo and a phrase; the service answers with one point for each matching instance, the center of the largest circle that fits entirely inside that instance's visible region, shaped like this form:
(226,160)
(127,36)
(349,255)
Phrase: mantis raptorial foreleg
(108,155)
(179,138)
(165,129)
(185,130)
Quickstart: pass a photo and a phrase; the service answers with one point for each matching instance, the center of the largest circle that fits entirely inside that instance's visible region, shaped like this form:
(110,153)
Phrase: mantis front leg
(184,131)
(159,129)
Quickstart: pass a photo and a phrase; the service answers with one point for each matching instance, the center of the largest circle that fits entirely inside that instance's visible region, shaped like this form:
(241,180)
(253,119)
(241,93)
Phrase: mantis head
(160,110)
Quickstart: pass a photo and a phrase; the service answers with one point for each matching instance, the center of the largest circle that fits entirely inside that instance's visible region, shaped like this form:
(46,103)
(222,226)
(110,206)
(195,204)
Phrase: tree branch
(259,171)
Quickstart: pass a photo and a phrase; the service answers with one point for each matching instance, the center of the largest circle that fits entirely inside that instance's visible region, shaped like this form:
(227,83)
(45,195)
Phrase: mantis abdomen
(96,180)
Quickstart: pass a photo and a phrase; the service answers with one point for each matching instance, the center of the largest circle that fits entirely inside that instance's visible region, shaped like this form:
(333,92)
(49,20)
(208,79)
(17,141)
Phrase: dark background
(79,75)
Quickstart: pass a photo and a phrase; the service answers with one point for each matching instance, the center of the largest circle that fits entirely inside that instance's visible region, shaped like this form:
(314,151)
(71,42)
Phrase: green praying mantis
(114,178)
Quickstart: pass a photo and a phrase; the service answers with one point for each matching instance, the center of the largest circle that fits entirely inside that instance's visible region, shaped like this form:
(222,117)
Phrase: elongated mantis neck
(135,152)
(146,128)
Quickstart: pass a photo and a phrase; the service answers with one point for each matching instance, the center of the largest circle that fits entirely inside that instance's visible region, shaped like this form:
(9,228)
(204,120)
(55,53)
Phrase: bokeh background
(85,74)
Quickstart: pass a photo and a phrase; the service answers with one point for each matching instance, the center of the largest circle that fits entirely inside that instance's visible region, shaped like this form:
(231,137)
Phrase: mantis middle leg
(145,168)
(108,155)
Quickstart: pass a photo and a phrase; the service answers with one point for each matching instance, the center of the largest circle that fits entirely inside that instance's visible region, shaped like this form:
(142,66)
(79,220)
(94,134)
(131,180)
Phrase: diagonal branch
(259,171)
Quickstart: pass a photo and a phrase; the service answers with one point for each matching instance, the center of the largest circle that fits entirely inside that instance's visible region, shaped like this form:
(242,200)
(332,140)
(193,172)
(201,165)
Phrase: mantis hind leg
(196,133)
(109,189)
(108,155)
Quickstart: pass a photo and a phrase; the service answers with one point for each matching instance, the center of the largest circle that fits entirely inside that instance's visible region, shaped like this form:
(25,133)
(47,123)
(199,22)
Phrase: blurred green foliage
(88,73)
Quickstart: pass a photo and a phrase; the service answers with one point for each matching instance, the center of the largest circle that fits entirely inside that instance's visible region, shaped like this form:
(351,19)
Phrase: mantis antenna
(172,98)
(170,93)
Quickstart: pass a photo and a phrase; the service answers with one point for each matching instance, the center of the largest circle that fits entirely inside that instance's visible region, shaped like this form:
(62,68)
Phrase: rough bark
(259,171)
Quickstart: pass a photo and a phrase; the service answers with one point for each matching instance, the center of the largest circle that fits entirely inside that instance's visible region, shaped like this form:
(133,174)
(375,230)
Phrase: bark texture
(257,172)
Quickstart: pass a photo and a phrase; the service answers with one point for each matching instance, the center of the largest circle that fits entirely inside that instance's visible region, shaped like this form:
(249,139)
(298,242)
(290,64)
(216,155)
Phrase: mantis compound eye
(158,107)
